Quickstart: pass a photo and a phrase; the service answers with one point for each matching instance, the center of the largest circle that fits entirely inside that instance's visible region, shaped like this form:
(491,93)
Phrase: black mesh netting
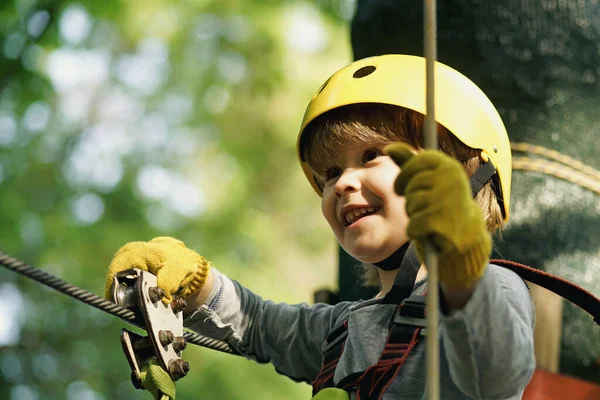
(539,62)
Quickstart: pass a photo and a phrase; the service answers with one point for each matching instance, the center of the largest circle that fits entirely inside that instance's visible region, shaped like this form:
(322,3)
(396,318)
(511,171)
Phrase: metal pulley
(137,290)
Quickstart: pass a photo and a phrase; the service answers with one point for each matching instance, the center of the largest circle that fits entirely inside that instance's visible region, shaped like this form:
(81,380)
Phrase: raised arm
(287,336)
(489,342)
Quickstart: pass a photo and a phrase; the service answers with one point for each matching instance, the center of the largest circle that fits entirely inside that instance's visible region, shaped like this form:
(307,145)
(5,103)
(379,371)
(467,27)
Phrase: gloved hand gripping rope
(442,210)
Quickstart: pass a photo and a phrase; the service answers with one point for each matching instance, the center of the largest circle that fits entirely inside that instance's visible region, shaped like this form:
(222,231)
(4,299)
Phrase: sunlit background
(125,120)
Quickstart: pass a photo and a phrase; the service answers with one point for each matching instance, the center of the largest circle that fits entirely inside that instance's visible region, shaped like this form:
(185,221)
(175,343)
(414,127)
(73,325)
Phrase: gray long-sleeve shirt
(486,348)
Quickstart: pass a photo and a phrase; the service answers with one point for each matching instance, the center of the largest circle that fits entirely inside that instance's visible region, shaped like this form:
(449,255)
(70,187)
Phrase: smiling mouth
(354,215)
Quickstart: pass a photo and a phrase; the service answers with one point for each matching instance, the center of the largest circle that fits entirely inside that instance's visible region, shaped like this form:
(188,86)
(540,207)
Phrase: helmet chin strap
(395,260)
(478,180)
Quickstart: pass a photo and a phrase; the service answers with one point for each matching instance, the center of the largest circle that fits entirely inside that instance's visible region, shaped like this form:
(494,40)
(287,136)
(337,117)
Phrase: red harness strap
(374,381)
(331,356)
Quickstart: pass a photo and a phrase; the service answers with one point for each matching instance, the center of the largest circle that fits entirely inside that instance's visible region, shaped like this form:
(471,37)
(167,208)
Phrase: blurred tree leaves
(124,120)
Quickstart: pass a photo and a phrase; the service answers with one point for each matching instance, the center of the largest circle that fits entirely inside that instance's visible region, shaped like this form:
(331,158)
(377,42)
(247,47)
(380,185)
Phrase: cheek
(383,179)
(328,209)
(390,177)
(399,212)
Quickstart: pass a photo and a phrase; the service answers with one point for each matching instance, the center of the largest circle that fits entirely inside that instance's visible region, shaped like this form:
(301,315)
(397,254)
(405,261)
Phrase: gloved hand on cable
(157,381)
(441,210)
(177,268)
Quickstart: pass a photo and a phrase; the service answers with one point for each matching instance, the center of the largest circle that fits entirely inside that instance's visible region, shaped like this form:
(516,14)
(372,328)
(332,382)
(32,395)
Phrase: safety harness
(405,332)
(408,327)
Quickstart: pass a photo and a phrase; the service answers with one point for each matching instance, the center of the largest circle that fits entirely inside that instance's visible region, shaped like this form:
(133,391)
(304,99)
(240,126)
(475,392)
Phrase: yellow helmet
(460,106)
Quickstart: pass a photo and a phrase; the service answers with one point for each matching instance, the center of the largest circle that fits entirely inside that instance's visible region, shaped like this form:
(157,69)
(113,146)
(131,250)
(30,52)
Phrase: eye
(370,155)
(332,173)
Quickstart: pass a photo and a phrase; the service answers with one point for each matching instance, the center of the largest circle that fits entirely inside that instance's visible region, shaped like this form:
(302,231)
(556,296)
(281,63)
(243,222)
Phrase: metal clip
(137,290)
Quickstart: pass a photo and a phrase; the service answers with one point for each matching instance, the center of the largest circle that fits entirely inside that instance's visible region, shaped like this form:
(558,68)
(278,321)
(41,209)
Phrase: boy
(382,202)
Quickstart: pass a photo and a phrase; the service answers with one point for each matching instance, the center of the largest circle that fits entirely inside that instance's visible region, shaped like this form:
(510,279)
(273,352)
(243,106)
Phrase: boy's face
(368,218)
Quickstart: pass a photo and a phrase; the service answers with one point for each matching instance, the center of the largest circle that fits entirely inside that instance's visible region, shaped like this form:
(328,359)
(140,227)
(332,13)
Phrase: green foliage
(124,120)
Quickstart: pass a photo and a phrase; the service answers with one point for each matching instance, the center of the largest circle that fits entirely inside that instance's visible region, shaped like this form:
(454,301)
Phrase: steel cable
(98,302)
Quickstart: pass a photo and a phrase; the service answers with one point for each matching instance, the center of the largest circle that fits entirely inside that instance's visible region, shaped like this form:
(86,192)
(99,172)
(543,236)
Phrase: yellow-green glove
(332,394)
(157,381)
(177,268)
(441,209)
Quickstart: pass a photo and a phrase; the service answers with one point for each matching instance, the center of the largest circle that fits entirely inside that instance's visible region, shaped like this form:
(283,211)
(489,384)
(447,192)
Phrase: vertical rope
(431,260)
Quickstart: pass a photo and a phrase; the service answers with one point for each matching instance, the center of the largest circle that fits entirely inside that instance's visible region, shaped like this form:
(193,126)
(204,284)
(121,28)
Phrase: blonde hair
(382,124)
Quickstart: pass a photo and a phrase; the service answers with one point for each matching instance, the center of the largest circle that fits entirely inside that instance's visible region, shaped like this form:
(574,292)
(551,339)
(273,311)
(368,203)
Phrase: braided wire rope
(559,165)
(556,156)
(98,302)
(557,170)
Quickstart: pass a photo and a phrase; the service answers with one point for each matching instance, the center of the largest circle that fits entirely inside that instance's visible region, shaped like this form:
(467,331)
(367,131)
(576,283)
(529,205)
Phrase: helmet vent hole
(364,71)
(323,87)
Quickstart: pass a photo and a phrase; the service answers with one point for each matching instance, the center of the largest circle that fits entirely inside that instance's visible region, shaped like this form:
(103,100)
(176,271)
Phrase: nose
(348,182)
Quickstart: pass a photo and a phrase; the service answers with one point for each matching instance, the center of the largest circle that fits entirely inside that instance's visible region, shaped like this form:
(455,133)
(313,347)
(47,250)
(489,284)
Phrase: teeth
(353,215)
